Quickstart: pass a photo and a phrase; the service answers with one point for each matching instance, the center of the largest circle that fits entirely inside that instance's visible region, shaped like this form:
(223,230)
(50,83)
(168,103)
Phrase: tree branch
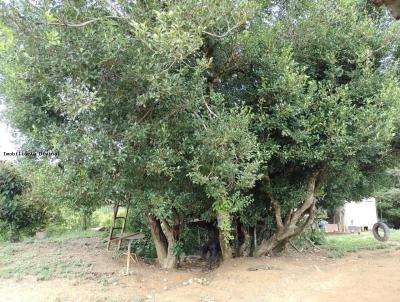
(275,205)
(310,197)
(288,217)
(148,112)
(224,34)
(312,214)
(208,108)
(66,24)
(167,226)
(176,217)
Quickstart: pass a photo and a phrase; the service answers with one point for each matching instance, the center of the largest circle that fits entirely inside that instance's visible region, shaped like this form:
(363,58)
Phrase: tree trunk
(267,246)
(293,224)
(164,237)
(86,220)
(246,245)
(226,249)
(172,234)
(278,241)
(159,239)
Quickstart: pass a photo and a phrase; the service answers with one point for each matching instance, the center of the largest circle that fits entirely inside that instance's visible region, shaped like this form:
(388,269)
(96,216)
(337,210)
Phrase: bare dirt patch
(82,270)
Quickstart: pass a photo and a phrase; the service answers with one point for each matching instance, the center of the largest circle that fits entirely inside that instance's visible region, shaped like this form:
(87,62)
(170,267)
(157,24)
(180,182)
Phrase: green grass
(44,270)
(394,235)
(19,259)
(103,216)
(339,245)
(58,235)
(74,234)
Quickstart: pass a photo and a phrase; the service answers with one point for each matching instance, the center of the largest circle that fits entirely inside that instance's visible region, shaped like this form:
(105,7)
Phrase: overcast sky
(6,140)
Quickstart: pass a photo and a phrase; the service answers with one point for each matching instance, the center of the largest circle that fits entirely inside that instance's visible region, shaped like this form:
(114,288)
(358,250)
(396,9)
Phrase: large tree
(121,91)
(205,109)
(327,101)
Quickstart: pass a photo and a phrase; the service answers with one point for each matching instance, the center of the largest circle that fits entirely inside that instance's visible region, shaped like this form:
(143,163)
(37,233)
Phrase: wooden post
(255,236)
(128,257)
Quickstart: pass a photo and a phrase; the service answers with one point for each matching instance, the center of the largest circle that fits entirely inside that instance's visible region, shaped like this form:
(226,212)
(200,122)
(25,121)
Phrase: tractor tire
(385,229)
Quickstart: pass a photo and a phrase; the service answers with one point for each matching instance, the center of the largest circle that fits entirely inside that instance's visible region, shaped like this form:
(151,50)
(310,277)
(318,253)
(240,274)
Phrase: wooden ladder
(116,207)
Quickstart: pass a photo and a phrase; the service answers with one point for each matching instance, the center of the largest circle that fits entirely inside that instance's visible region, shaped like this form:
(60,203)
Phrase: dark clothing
(212,249)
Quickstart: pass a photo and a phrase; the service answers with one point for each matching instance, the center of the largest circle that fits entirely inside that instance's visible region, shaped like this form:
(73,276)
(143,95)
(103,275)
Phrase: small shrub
(17,215)
(315,236)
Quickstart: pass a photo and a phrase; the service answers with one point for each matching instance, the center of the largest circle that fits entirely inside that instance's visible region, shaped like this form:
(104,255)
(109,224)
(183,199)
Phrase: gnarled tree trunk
(245,247)
(172,235)
(164,237)
(160,241)
(293,224)
(226,249)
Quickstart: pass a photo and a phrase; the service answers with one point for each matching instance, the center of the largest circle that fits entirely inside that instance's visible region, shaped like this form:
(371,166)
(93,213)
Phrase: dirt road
(370,276)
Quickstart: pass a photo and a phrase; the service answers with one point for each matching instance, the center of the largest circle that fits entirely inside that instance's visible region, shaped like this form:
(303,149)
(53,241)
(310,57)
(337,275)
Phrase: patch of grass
(74,234)
(44,269)
(116,254)
(6,252)
(61,234)
(338,245)
(335,253)
(19,259)
(394,235)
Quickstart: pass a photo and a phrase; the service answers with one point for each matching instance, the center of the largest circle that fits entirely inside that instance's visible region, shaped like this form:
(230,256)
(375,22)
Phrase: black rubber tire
(385,228)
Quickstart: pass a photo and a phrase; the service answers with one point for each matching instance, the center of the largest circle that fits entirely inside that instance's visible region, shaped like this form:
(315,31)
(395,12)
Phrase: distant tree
(57,190)
(16,215)
(389,199)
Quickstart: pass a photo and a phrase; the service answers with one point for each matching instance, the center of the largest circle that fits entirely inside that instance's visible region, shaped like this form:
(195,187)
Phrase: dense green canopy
(252,110)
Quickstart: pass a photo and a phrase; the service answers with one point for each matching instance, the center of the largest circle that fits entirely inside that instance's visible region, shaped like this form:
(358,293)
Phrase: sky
(6,139)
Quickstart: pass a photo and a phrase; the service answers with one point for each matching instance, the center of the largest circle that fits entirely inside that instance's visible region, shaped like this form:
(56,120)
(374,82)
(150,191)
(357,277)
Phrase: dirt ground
(359,277)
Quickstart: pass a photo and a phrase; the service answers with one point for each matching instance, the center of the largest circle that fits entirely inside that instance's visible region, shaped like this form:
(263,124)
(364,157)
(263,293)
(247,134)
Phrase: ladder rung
(117,207)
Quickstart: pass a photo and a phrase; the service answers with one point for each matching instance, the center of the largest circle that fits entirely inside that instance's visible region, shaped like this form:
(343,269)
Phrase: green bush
(315,236)
(16,215)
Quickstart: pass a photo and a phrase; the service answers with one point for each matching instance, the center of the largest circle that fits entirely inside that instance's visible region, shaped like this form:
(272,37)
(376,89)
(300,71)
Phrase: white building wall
(361,214)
